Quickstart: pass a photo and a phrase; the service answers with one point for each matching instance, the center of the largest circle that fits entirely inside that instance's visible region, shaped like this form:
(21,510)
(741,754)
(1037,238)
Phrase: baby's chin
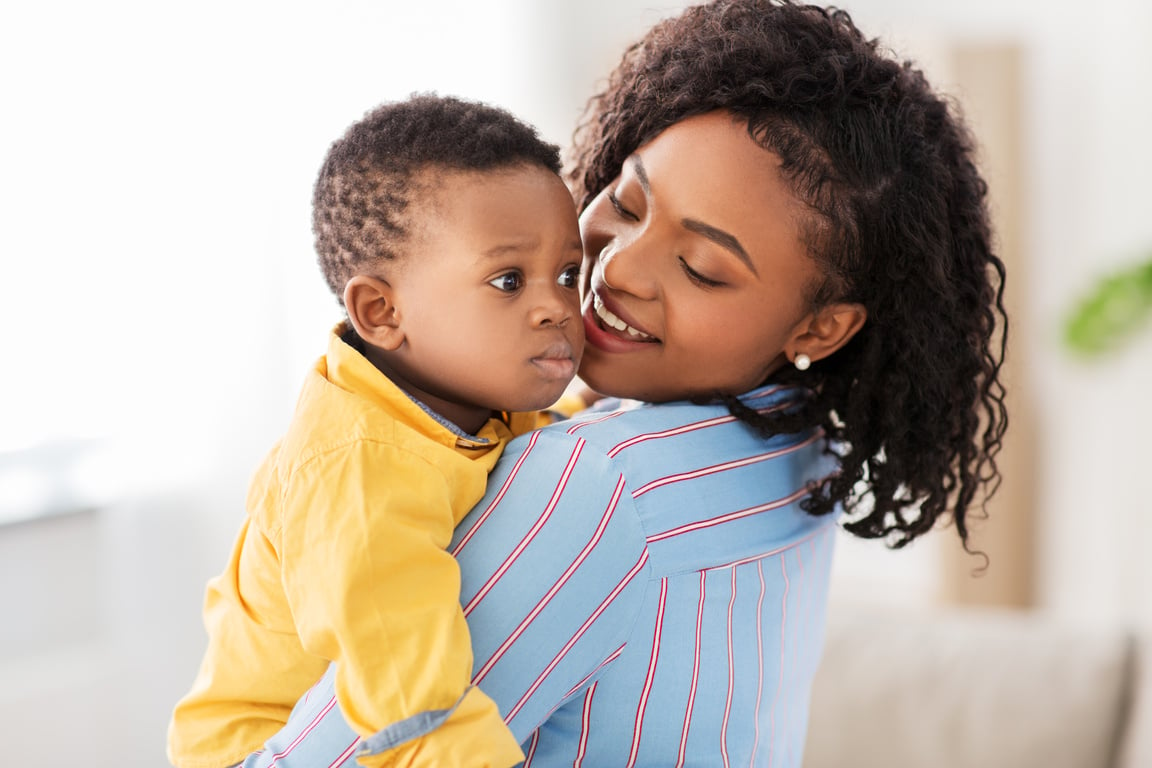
(540,402)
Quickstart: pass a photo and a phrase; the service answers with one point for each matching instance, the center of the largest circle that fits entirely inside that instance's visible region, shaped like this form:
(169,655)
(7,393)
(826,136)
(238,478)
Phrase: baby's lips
(561,350)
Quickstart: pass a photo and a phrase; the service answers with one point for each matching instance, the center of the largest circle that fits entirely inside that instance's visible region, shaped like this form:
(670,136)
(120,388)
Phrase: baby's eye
(570,277)
(508,282)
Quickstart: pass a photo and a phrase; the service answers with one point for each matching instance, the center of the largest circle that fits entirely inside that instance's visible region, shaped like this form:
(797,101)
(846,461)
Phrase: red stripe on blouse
(556,494)
(345,754)
(638,727)
(737,515)
(560,582)
(682,430)
(610,415)
(764,555)
(780,680)
(717,468)
(578,634)
(687,428)
(296,742)
(585,716)
(731,677)
(695,675)
(531,749)
(496,500)
(759,661)
(611,657)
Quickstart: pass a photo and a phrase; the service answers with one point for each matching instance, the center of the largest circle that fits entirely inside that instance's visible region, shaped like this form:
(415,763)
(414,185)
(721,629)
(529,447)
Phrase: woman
(788,260)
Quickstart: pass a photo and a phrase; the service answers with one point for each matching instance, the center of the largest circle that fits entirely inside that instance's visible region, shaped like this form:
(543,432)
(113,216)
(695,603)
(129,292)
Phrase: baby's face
(488,293)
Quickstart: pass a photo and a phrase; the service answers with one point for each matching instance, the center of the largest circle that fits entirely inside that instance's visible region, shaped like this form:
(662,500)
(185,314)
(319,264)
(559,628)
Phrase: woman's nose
(624,269)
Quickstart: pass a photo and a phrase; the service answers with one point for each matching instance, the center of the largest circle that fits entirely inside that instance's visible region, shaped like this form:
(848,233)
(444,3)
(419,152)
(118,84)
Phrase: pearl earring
(802,362)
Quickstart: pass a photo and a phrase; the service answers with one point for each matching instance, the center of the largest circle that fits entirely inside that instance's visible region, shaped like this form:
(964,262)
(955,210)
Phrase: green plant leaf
(1113,311)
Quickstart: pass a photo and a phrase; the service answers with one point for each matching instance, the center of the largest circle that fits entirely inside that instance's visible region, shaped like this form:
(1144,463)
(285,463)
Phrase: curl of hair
(898,222)
(368,187)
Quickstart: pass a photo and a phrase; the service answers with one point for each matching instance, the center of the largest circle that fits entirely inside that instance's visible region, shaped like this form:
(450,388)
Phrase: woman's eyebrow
(721,238)
(641,174)
(724,239)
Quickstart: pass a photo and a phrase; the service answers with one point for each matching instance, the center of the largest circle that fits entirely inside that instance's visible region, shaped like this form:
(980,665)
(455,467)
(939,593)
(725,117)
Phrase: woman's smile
(611,321)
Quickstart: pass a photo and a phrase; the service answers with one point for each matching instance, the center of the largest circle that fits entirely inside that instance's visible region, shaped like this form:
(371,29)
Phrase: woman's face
(694,274)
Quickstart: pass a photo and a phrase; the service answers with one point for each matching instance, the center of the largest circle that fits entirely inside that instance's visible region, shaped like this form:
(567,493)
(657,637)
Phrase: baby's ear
(371,306)
(826,331)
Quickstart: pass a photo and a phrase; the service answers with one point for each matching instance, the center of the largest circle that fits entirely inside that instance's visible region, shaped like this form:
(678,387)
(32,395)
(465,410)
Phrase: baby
(444,229)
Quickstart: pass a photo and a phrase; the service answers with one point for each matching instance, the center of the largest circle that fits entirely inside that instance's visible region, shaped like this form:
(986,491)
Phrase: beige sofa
(979,689)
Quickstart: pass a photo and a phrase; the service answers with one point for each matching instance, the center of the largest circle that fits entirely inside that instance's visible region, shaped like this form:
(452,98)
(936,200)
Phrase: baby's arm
(372,588)
(554,566)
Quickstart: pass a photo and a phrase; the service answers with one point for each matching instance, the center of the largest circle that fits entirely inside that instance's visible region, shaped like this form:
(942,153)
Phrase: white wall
(158,286)
(1087,115)
(159,303)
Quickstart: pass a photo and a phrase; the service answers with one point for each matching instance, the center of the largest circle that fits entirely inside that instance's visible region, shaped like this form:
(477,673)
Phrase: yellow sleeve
(466,740)
(254,668)
(373,589)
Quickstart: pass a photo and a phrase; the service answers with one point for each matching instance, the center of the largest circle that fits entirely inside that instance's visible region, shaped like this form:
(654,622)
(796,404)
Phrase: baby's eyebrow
(503,249)
(518,246)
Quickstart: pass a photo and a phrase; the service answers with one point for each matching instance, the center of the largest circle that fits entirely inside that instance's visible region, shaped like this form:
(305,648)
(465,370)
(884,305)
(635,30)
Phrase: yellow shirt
(341,558)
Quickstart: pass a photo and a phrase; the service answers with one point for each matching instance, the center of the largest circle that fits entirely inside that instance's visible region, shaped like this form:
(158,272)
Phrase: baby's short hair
(368,191)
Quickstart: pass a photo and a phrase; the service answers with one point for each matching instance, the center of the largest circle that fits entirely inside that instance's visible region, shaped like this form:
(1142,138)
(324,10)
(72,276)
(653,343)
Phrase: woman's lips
(610,320)
(602,329)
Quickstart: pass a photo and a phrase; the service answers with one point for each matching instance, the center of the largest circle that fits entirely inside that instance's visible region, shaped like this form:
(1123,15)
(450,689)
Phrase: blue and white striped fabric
(642,589)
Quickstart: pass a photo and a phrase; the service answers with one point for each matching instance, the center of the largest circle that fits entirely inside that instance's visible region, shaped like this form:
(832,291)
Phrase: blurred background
(159,302)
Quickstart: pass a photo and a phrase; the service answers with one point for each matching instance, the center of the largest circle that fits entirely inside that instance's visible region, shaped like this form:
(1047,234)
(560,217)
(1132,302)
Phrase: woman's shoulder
(614,424)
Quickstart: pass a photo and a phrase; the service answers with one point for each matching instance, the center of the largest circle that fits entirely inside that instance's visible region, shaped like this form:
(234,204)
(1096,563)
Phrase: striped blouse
(642,588)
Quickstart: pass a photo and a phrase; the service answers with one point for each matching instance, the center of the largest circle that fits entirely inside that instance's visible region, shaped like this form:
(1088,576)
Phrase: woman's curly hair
(913,403)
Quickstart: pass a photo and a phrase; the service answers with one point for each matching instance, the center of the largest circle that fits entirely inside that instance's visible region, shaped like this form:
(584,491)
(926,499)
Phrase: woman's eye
(569,278)
(508,282)
(698,278)
(619,207)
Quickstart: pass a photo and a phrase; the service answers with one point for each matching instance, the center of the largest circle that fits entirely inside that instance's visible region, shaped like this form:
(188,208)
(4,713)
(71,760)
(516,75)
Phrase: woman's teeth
(612,321)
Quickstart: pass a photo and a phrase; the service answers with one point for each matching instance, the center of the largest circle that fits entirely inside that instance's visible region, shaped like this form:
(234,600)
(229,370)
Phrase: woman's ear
(826,331)
(371,306)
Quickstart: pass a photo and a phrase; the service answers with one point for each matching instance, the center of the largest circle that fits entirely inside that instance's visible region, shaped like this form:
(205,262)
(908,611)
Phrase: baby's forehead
(522,207)
(438,190)
(441,180)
